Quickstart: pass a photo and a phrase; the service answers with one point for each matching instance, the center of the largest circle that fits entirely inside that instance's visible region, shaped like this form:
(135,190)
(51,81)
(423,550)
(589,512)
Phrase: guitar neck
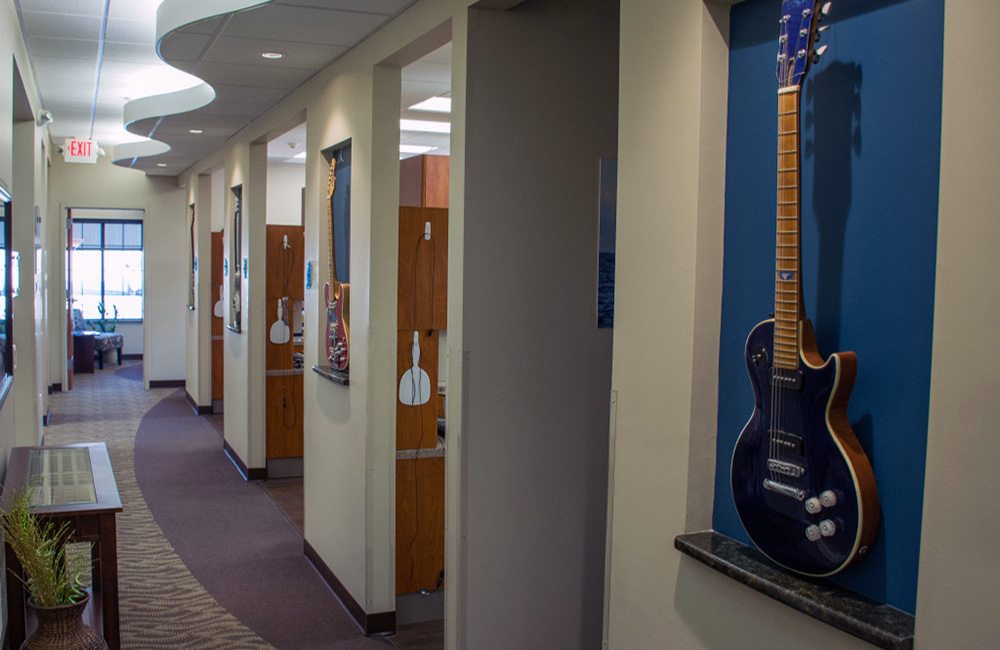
(788,304)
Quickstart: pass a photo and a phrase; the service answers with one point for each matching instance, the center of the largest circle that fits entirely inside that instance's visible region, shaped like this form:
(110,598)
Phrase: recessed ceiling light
(272,55)
(424,126)
(161,164)
(434,105)
(196,131)
(415,148)
(297,158)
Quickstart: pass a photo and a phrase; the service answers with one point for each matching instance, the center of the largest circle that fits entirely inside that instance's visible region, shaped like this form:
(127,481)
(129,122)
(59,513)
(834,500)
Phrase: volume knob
(828,498)
(827,528)
(813,533)
(813,505)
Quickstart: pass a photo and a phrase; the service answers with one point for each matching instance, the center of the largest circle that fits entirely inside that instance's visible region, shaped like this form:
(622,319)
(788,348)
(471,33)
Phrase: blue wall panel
(871,117)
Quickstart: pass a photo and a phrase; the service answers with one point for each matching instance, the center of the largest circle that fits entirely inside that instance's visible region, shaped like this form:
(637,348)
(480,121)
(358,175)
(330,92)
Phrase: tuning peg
(821,31)
(825,9)
(818,52)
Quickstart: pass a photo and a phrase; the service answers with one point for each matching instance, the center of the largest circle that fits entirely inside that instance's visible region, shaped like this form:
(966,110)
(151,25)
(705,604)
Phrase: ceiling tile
(249,94)
(203,27)
(304,25)
(131,53)
(420,71)
(122,30)
(297,55)
(61,26)
(76,7)
(135,9)
(183,47)
(63,47)
(254,75)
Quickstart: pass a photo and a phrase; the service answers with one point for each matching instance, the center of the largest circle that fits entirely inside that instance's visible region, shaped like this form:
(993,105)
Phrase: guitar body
(336,325)
(803,424)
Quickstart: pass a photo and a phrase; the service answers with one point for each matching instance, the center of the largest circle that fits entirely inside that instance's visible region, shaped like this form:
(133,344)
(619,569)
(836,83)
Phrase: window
(107,268)
(6,285)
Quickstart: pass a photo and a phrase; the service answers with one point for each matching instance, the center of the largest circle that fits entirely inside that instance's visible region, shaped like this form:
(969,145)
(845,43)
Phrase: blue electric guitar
(802,484)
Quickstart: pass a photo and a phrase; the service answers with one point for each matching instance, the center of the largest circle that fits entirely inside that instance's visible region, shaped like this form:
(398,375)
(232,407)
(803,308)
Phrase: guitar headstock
(800,30)
(331,182)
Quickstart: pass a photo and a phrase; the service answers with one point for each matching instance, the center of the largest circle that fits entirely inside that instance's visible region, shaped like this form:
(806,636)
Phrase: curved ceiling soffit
(140,115)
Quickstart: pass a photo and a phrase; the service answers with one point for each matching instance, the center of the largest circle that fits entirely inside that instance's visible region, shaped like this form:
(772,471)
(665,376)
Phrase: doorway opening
(421,360)
(105,284)
(283,321)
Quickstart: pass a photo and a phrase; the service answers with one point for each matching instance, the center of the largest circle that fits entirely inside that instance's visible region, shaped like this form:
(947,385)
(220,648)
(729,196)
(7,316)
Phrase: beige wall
(108,186)
(958,587)
(538,372)
(284,193)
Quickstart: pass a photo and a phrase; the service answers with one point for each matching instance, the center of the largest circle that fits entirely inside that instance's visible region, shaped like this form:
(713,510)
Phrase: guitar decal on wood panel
(802,484)
(336,294)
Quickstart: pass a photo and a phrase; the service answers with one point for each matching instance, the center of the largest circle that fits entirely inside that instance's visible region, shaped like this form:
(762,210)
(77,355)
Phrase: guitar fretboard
(788,305)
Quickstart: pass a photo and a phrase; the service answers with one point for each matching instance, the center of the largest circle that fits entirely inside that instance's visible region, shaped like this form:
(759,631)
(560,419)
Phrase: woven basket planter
(62,628)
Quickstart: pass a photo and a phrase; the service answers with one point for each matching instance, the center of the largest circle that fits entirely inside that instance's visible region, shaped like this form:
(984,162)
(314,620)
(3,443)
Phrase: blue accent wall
(871,117)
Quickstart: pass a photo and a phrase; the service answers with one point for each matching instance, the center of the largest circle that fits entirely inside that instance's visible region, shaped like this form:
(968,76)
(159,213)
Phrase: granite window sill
(876,623)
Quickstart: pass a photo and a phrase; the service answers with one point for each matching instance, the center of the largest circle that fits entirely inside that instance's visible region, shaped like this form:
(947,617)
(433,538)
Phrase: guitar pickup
(786,468)
(787,379)
(787,441)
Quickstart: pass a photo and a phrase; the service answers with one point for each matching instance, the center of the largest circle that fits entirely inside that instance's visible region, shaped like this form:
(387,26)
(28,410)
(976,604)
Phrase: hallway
(206,560)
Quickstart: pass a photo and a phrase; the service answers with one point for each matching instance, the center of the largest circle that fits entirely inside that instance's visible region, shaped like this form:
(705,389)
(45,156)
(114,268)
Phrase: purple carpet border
(233,538)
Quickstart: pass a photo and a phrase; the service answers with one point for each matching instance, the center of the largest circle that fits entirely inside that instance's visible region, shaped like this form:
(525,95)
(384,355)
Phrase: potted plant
(103,324)
(55,589)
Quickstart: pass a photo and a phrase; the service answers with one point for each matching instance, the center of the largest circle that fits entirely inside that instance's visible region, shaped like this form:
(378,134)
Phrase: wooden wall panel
(436,181)
(416,426)
(419,523)
(421,290)
(285,272)
(285,277)
(284,416)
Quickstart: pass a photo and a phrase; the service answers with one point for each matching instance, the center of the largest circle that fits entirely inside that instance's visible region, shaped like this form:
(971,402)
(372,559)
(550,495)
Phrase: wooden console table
(75,484)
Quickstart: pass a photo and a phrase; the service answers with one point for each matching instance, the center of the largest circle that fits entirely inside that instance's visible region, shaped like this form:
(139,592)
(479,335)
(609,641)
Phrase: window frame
(141,249)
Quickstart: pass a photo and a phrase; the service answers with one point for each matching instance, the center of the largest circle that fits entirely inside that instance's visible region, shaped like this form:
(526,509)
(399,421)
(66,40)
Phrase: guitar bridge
(784,490)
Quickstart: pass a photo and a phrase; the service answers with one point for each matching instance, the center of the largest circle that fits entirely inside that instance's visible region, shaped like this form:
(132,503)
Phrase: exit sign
(80,151)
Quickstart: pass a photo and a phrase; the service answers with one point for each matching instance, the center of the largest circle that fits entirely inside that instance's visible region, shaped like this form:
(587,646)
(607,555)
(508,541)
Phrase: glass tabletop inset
(61,476)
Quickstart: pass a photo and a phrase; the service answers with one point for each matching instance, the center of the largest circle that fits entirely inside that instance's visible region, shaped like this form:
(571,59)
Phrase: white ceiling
(63,39)
(428,77)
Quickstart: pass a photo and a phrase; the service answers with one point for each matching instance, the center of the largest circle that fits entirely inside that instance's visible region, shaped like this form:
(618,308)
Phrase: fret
(788,153)
(788,187)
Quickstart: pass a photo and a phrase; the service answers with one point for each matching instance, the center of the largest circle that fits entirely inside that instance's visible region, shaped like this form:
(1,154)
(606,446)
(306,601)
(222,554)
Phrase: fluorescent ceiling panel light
(434,105)
(196,131)
(272,55)
(424,126)
(415,148)
(297,158)
(161,164)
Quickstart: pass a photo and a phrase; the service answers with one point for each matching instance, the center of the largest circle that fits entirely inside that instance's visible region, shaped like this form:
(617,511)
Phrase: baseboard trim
(378,623)
(132,357)
(198,410)
(248,473)
(167,383)
(55,388)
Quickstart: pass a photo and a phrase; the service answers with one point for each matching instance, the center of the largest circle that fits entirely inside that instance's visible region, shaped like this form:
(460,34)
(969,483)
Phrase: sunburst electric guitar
(335,293)
(802,484)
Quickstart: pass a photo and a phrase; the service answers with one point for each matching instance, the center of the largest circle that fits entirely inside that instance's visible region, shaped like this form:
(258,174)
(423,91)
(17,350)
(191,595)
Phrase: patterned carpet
(162,605)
